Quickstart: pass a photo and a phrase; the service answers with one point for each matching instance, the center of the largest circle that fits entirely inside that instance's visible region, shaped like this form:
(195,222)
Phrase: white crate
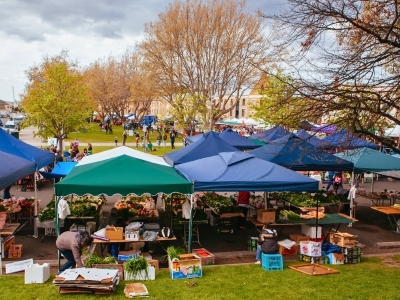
(310,248)
(36,273)
(132,236)
(310,231)
(151,274)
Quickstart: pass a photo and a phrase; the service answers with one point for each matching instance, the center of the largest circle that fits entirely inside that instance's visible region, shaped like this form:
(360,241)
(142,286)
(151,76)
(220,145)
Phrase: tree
(206,50)
(346,54)
(55,99)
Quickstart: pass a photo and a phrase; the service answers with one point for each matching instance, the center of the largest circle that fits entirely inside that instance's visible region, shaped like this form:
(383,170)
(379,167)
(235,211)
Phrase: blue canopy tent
(276,133)
(61,169)
(237,141)
(346,140)
(293,153)
(13,168)
(232,138)
(40,158)
(313,140)
(208,145)
(262,134)
(239,171)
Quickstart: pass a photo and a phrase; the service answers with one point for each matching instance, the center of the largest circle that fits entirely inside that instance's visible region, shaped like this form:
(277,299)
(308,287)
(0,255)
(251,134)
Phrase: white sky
(88,29)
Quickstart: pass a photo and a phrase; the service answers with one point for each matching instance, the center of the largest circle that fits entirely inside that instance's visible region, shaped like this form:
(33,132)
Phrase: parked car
(10,126)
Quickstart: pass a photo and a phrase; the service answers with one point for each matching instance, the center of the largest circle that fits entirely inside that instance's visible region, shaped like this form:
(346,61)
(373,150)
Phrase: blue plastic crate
(271,262)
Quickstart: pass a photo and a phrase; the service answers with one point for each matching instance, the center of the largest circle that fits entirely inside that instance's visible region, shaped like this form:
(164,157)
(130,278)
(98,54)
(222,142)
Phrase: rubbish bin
(15,134)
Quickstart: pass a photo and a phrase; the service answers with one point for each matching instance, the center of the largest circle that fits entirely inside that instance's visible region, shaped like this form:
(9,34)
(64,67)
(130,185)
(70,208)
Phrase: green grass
(371,279)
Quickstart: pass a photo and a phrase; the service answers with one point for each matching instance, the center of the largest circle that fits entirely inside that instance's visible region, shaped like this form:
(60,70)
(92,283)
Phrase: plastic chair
(271,262)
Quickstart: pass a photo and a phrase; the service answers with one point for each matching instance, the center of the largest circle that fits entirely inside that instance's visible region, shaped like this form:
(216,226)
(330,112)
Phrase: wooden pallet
(313,269)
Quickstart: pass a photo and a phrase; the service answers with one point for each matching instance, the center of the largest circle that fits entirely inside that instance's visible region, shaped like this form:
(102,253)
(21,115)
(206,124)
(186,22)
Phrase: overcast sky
(88,29)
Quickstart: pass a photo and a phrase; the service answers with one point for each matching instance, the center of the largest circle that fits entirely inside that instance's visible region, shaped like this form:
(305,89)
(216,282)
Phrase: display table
(103,244)
(391,213)
(7,233)
(378,201)
(185,224)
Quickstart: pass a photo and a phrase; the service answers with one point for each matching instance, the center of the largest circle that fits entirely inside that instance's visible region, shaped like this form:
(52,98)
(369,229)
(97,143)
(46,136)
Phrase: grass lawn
(371,279)
(94,135)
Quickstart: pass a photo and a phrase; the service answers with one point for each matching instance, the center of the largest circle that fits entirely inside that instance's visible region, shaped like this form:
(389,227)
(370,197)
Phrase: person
(159,138)
(243,204)
(150,146)
(331,175)
(85,152)
(70,245)
(338,189)
(137,140)
(90,149)
(165,137)
(267,243)
(76,143)
(106,128)
(6,193)
(172,137)
(110,129)
(116,141)
(125,137)
(59,157)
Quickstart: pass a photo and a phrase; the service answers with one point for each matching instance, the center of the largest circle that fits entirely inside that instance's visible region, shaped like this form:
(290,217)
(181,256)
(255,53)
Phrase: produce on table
(219,204)
(289,215)
(257,201)
(302,199)
(143,206)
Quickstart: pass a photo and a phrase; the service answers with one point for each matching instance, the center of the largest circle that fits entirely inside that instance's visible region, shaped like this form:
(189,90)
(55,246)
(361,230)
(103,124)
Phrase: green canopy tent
(121,171)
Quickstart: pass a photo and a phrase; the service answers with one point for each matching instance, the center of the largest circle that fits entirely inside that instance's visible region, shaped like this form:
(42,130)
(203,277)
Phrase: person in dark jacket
(70,245)
(267,243)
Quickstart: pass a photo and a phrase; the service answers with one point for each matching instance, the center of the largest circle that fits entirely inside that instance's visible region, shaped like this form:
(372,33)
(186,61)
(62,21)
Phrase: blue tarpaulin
(13,168)
(346,140)
(61,169)
(293,153)
(14,146)
(208,144)
(239,171)
(270,134)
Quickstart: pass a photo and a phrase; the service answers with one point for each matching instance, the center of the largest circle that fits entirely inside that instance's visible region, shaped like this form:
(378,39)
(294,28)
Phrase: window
(243,101)
(243,112)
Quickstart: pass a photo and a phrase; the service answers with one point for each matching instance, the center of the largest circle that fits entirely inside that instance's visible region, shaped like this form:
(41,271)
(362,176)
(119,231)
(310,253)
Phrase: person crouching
(70,245)
(267,243)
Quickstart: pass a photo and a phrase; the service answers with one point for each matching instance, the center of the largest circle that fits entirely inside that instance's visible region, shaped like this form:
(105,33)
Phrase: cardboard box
(299,238)
(336,258)
(115,233)
(15,251)
(154,263)
(266,215)
(36,273)
(207,258)
(119,267)
(342,239)
(311,231)
(310,248)
(292,251)
(189,266)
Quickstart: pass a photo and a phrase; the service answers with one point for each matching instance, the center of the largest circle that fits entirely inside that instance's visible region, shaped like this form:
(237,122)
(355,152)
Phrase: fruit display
(219,204)
(11,205)
(142,206)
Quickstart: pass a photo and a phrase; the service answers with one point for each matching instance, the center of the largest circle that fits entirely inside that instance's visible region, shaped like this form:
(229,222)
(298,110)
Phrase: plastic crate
(15,251)
(271,262)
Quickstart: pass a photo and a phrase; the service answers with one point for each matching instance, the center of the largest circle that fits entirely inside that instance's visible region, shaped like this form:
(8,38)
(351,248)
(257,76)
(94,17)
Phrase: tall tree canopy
(55,98)
(205,50)
(346,53)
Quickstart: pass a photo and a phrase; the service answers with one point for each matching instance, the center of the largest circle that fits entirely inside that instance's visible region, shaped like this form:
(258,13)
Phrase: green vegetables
(134,265)
(289,215)
(94,259)
(219,204)
(175,252)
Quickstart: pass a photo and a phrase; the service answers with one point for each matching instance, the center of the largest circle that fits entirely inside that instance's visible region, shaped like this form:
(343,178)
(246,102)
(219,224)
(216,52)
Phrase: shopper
(172,137)
(116,141)
(90,149)
(125,136)
(331,175)
(267,243)
(159,138)
(165,137)
(243,203)
(70,245)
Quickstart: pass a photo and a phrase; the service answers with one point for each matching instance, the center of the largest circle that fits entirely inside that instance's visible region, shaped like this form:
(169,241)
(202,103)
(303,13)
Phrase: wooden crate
(342,239)
(15,251)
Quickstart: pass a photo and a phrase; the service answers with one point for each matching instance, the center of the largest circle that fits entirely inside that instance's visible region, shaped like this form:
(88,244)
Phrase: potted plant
(138,269)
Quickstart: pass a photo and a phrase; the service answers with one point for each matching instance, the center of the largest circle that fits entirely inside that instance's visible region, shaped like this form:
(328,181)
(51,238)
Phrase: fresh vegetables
(94,259)
(134,265)
(175,252)
(219,204)
(289,215)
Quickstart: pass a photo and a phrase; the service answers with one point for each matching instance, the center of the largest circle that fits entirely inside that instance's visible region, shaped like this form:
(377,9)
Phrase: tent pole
(57,227)
(190,225)
(35,209)
(372,183)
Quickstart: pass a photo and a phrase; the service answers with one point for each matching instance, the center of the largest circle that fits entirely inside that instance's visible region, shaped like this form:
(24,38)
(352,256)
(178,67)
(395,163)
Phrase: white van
(18,119)
(10,126)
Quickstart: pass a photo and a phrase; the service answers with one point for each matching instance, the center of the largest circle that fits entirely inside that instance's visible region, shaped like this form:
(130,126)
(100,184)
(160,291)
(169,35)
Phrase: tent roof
(239,171)
(123,175)
(276,133)
(345,139)
(295,154)
(305,136)
(209,144)
(13,168)
(14,146)
(236,140)
(61,169)
(369,160)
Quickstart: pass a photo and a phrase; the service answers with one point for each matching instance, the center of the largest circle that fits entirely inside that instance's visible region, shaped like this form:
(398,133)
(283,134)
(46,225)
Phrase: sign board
(52,141)
(18,266)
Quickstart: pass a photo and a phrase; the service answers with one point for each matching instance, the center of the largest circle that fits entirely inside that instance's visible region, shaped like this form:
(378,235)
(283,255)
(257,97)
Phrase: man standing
(125,137)
(159,138)
(172,136)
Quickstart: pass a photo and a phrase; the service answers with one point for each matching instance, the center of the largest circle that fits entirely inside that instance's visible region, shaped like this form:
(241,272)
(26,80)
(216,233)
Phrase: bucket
(91,227)
(114,250)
